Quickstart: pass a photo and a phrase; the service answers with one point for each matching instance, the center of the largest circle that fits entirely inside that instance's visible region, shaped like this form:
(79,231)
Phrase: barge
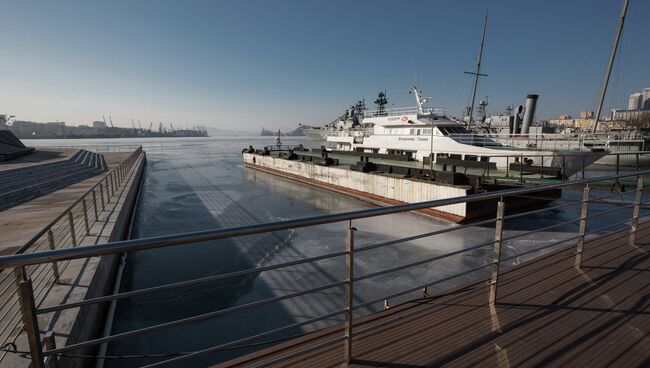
(392,184)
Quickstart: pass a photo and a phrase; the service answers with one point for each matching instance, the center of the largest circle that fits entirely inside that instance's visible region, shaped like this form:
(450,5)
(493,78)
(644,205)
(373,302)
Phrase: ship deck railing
(400,111)
(625,215)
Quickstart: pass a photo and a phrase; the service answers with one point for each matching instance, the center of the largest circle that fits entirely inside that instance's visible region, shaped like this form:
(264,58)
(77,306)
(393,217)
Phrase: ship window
(418,132)
(412,132)
(453,130)
(426,131)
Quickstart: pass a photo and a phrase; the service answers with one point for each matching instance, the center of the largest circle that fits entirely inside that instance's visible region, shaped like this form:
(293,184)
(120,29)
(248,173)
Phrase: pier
(68,198)
(580,299)
(548,312)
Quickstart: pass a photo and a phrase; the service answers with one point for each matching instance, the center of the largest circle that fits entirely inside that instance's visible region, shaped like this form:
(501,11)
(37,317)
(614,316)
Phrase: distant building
(584,124)
(646,99)
(639,100)
(99,125)
(563,121)
(586,114)
(630,115)
(635,102)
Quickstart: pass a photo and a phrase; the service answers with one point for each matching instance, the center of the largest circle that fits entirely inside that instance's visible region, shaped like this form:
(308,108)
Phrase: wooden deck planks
(548,314)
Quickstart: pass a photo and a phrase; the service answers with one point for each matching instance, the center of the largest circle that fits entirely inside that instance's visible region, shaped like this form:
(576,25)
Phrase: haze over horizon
(241,65)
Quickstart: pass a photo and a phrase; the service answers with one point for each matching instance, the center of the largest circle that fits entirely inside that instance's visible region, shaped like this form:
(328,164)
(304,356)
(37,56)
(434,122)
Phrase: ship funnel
(529,114)
(516,127)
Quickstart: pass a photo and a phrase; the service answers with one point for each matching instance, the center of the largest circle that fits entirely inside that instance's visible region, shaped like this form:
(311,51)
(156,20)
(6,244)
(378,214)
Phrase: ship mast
(477,73)
(612,55)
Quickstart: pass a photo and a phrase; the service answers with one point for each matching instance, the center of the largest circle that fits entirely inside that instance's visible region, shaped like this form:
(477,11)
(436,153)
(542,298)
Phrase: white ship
(421,132)
(627,147)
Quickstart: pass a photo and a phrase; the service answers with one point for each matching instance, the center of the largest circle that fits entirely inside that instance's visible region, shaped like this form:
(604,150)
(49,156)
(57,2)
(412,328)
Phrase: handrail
(44,230)
(19,260)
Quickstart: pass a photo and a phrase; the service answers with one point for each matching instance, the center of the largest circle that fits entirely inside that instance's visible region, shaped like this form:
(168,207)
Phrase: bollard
(496,253)
(583,226)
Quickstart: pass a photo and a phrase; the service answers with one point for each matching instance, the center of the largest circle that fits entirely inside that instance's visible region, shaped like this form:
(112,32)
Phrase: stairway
(21,185)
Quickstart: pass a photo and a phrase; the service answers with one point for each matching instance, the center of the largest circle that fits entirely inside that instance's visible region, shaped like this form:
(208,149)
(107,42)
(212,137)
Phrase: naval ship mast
(477,73)
(612,56)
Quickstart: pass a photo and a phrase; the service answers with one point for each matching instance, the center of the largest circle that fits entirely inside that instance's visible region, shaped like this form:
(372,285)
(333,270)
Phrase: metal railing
(405,111)
(30,309)
(64,232)
(99,148)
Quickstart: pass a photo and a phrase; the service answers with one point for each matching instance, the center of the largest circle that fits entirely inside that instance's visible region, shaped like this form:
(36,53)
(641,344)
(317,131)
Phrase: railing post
(72,232)
(496,252)
(350,294)
(112,180)
(584,214)
(85,209)
(583,166)
(55,266)
(101,194)
(564,178)
(30,322)
(637,210)
(95,205)
(50,344)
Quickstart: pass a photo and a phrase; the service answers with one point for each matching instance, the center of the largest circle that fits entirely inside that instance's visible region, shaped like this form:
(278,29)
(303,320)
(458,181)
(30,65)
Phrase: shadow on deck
(548,313)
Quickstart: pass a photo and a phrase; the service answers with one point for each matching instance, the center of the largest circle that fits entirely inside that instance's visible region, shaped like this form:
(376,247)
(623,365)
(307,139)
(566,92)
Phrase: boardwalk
(548,314)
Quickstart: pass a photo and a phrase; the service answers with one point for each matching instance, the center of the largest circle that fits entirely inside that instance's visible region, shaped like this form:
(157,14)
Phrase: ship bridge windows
(453,130)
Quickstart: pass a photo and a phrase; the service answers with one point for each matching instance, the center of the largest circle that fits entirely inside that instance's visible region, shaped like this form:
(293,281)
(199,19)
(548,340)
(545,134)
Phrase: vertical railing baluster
(101,195)
(72,232)
(95,205)
(30,321)
(50,344)
(496,252)
(584,214)
(112,183)
(350,294)
(636,211)
(55,266)
(85,209)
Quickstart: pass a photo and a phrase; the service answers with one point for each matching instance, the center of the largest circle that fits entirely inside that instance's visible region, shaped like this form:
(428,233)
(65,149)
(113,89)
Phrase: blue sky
(246,64)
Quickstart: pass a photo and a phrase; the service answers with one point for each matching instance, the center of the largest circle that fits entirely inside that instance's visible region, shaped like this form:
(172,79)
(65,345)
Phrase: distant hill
(215,132)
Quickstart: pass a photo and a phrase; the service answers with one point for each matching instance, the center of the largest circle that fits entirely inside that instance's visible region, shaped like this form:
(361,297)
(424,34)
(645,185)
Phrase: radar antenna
(419,100)
(381,103)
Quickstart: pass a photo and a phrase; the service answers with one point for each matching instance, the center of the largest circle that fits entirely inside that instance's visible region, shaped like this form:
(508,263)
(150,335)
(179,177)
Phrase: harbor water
(193,184)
